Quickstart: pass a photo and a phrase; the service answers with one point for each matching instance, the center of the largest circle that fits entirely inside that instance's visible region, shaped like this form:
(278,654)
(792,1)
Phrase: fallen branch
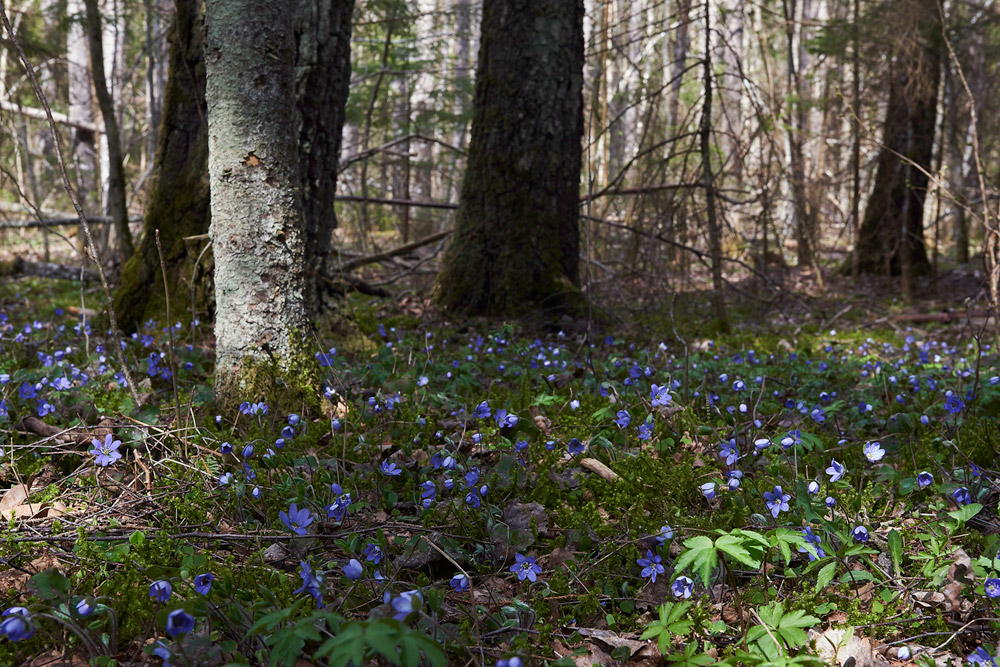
(39,114)
(939,317)
(24,267)
(397,202)
(389,254)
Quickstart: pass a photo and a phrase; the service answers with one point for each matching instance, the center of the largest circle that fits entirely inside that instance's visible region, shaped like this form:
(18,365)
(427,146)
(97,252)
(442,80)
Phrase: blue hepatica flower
(645,430)
(338,509)
(311,583)
(953,404)
(962,496)
(651,565)
(525,568)
(16,625)
(354,569)
(659,395)
(373,553)
(510,662)
(107,452)
(730,452)
(666,533)
(428,493)
(815,540)
(925,479)
(733,479)
(830,502)
(682,587)
(160,590)
(860,534)
(459,583)
(506,419)
(623,418)
(708,490)
(482,410)
(575,447)
(296,519)
(390,469)
(203,583)
(179,622)
(85,607)
(776,501)
(813,488)
(981,657)
(873,451)
(836,470)
(992,587)
(407,603)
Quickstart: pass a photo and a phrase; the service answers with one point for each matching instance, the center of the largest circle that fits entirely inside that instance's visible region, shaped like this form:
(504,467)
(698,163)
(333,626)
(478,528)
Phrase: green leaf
(966,512)
(826,575)
(346,648)
(700,554)
(733,545)
(896,551)
(49,585)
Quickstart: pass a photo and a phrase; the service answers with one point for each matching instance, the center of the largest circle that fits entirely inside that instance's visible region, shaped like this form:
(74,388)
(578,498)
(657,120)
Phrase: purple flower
(835,471)
(575,447)
(406,604)
(482,410)
(873,451)
(645,430)
(525,568)
(981,657)
(708,490)
(459,582)
(623,418)
(860,534)
(830,502)
(85,607)
(107,453)
(505,419)
(953,404)
(815,540)
(813,488)
(296,519)
(354,569)
(203,583)
(962,495)
(992,587)
(179,622)
(510,662)
(666,533)
(390,469)
(730,452)
(925,479)
(373,553)
(311,583)
(15,624)
(160,590)
(776,501)
(651,565)
(682,587)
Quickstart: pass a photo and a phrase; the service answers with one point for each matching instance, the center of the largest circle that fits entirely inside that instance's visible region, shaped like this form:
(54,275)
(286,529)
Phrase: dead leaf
(13,497)
(835,648)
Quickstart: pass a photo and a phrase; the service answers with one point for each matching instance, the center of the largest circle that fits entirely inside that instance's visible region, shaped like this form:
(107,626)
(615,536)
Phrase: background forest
(505,332)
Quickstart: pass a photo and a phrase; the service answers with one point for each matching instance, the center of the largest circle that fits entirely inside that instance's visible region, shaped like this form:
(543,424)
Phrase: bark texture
(179,198)
(81,108)
(115,205)
(516,240)
(897,200)
(257,230)
(322,77)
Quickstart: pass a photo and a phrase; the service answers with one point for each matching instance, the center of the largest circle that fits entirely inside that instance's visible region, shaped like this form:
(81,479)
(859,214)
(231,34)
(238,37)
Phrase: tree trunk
(322,75)
(516,240)
(179,197)
(897,200)
(714,232)
(258,232)
(81,110)
(115,204)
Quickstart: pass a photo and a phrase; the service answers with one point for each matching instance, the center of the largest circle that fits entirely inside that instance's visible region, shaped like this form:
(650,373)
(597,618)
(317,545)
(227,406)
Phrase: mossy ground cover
(490,494)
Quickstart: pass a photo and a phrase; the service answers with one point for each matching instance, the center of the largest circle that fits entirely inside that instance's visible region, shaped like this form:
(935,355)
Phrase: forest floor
(816,485)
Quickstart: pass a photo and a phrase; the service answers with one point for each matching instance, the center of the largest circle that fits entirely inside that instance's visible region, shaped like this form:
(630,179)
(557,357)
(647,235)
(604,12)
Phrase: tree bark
(81,109)
(322,76)
(115,205)
(258,232)
(516,240)
(897,200)
(179,197)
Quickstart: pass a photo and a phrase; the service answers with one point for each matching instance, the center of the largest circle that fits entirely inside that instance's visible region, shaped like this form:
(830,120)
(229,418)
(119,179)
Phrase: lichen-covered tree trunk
(323,74)
(179,200)
(897,200)
(115,205)
(258,235)
(516,239)
(81,109)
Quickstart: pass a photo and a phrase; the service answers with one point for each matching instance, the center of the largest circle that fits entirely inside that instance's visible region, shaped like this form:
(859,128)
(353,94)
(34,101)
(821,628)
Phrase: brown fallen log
(939,317)
(23,267)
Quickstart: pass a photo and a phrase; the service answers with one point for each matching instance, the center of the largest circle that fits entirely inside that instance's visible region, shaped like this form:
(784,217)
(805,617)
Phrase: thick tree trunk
(115,204)
(516,240)
(258,234)
(322,76)
(897,200)
(81,109)
(179,198)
